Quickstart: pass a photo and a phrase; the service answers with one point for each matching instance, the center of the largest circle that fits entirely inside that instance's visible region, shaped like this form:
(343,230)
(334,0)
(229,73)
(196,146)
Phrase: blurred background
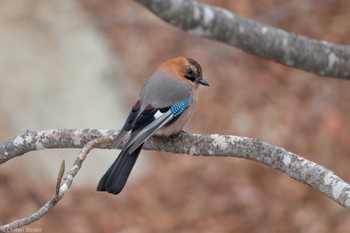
(82,63)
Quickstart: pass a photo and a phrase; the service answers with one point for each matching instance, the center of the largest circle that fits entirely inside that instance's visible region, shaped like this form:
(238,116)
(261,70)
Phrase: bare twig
(62,189)
(289,163)
(318,57)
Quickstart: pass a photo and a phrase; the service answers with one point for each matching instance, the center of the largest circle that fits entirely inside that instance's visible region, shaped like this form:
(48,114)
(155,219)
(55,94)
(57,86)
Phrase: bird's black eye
(190,74)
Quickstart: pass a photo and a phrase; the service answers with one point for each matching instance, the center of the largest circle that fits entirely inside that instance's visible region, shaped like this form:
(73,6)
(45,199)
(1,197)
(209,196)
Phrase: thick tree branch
(318,57)
(291,164)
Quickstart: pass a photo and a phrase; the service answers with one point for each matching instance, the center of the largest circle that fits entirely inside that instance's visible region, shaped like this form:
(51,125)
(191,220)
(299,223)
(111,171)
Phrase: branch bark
(296,167)
(318,57)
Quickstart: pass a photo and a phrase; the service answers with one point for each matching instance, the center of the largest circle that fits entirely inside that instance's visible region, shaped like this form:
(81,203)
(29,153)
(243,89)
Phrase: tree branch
(60,189)
(318,57)
(291,164)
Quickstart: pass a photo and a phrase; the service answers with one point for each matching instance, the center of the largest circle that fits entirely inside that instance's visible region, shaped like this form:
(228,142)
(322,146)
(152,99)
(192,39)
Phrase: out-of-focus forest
(248,96)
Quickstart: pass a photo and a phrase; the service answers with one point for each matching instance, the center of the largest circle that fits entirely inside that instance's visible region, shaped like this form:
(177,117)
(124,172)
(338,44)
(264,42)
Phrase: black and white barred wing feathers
(160,118)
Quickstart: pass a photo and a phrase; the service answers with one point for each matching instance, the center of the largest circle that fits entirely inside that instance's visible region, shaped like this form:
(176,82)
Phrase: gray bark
(295,166)
(318,57)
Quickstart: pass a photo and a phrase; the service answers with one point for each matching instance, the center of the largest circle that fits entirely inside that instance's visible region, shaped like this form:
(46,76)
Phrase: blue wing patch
(160,118)
(178,108)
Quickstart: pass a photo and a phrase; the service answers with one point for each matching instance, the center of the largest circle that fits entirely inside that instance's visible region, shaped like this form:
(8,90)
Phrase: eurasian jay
(166,103)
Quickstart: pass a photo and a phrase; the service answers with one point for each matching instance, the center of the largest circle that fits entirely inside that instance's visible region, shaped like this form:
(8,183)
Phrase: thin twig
(68,180)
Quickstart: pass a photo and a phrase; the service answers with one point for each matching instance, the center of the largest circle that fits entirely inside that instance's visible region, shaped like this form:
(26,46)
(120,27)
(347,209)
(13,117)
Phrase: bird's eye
(190,75)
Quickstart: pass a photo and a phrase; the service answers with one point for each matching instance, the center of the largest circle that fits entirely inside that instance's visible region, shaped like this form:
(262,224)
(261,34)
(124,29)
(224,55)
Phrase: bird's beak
(202,81)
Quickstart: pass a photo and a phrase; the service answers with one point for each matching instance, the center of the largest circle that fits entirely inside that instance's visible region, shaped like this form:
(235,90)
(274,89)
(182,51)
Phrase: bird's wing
(159,94)
(128,124)
(153,120)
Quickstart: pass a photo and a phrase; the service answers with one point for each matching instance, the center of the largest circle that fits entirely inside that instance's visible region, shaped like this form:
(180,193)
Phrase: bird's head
(185,69)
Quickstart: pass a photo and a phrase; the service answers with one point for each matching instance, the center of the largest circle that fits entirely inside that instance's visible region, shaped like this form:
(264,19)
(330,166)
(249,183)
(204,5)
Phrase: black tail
(114,180)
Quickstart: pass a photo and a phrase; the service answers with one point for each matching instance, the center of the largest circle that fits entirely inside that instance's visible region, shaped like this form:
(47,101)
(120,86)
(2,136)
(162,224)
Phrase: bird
(166,103)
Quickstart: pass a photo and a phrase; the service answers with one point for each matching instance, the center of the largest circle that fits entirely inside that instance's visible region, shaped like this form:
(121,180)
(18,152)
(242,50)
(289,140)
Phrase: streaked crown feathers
(185,68)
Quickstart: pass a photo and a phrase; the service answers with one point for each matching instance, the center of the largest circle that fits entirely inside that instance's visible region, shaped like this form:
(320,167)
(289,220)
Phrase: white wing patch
(158,114)
(149,130)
